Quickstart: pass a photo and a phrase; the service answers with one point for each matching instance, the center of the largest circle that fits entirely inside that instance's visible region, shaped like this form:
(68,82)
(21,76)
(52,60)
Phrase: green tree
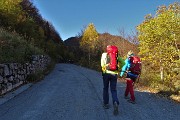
(159,36)
(89,40)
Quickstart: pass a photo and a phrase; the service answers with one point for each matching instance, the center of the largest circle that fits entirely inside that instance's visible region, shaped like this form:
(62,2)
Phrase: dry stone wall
(13,75)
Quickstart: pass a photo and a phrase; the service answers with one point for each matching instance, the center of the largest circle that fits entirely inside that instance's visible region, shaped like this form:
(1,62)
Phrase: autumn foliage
(159,45)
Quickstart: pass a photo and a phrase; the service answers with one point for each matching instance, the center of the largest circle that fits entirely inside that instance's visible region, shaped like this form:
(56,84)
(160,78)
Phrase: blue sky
(69,17)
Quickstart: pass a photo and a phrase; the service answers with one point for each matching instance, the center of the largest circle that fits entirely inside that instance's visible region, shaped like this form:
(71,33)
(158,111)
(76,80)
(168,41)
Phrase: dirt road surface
(72,92)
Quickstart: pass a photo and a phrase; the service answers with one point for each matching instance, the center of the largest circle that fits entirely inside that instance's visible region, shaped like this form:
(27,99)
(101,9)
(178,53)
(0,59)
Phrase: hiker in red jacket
(130,78)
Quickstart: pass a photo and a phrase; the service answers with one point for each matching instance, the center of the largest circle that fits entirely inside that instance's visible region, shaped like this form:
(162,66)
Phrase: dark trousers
(110,79)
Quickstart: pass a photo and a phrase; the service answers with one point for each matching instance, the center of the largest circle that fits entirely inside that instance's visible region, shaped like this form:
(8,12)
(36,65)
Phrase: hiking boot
(115,108)
(126,97)
(106,106)
(131,101)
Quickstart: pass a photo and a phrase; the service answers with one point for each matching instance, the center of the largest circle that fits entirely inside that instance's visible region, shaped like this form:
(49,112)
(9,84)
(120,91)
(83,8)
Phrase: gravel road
(72,92)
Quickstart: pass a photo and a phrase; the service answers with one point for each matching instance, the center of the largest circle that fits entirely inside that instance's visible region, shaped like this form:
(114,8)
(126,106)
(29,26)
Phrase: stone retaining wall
(13,75)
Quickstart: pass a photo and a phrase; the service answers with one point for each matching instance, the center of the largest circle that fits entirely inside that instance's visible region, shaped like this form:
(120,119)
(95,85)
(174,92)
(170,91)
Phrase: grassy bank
(13,48)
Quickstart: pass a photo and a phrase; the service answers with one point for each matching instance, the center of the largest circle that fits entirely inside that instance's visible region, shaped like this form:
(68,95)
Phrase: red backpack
(112,57)
(135,65)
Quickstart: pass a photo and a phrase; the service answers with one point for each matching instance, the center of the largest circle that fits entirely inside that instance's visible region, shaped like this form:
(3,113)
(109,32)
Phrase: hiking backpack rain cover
(112,55)
(135,65)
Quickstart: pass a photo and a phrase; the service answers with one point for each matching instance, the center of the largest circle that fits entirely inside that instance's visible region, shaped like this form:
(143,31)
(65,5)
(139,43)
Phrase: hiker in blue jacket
(130,78)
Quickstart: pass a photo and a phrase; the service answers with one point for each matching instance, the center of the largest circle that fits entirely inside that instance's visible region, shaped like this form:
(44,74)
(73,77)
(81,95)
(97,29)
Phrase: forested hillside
(21,26)
(124,45)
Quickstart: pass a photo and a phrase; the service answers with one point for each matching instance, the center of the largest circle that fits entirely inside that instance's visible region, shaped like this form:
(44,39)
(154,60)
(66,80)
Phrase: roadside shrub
(149,77)
(39,75)
(35,76)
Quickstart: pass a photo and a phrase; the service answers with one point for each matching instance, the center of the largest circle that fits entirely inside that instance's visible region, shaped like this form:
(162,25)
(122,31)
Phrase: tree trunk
(161,73)
(89,57)
(161,69)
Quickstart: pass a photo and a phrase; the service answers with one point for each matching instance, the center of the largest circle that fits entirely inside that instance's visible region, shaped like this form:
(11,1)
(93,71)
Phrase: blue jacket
(125,67)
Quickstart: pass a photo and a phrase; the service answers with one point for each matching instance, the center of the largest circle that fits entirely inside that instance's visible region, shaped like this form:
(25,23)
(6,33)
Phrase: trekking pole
(137,85)
(138,78)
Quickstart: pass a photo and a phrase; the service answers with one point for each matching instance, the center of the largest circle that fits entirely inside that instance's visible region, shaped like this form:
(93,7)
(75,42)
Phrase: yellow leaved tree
(89,40)
(159,37)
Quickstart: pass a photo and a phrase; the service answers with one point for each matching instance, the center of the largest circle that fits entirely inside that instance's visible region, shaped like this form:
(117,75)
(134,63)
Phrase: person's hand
(133,83)
(104,68)
(124,75)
